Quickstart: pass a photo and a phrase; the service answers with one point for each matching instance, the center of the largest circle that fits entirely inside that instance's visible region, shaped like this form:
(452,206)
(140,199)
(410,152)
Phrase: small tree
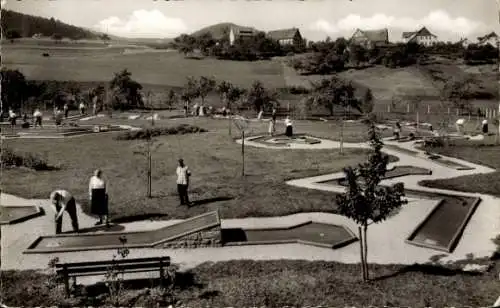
(459,93)
(190,92)
(367,102)
(205,86)
(126,90)
(222,88)
(365,201)
(233,95)
(259,97)
(172,99)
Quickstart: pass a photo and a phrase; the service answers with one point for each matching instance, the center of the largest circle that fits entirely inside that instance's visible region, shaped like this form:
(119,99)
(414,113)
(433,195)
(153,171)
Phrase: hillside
(220,30)
(28,25)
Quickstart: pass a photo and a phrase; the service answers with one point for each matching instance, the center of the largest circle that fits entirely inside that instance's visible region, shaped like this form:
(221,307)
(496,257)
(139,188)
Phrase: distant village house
(370,38)
(287,37)
(422,36)
(241,32)
(489,39)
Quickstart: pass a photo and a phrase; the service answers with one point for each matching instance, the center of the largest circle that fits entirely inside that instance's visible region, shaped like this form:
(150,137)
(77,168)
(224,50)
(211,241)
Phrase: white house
(240,32)
(422,36)
(489,39)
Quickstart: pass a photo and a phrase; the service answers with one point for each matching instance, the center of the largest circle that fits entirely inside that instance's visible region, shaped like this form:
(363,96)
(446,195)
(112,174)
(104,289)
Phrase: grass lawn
(215,161)
(293,283)
(156,68)
(474,152)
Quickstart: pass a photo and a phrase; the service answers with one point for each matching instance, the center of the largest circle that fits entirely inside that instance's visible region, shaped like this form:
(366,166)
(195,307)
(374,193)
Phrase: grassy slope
(164,68)
(299,284)
(215,161)
(473,152)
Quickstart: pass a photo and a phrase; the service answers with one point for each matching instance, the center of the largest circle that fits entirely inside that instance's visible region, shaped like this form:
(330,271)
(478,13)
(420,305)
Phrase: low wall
(210,237)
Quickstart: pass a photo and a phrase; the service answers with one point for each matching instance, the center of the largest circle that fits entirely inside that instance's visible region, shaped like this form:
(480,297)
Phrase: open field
(291,283)
(156,68)
(215,161)
(487,155)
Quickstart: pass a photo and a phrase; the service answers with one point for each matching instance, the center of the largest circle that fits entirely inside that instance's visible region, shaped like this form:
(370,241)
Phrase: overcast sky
(449,19)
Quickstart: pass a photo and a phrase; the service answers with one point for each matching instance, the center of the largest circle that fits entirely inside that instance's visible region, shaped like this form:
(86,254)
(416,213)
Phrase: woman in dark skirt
(289,127)
(98,197)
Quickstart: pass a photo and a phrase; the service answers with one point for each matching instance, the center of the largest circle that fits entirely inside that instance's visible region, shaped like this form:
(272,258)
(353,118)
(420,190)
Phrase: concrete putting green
(309,233)
(442,228)
(285,140)
(53,132)
(17,214)
(145,239)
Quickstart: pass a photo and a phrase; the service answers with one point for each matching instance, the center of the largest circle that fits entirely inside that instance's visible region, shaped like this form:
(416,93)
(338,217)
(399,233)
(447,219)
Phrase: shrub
(10,158)
(160,131)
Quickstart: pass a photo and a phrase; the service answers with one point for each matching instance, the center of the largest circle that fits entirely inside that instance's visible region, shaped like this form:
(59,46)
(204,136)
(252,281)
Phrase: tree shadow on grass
(427,269)
(210,200)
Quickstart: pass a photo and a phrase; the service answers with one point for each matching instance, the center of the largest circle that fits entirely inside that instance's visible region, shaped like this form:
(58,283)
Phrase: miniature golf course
(17,214)
(310,233)
(324,235)
(444,225)
(282,140)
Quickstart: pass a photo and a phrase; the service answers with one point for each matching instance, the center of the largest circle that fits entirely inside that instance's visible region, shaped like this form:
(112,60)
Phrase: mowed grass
(214,159)
(155,68)
(292,283)
(475,152)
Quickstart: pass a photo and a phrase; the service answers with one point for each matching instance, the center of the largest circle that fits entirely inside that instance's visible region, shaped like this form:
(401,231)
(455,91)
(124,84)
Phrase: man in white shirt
(485,126)
(460,125)
(62,201)
(183,175)
(38,117)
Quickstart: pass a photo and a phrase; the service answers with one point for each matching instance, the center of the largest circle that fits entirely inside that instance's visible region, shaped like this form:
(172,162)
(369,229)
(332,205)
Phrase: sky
(450,20)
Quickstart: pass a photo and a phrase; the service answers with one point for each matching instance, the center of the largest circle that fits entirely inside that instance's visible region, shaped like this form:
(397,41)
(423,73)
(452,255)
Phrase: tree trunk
(242,153)
(361,253)
(365,229)
(149,168)
(418,121)
(342,134)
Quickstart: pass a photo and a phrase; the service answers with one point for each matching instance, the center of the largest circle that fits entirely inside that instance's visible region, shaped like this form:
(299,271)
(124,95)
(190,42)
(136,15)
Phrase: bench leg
(66,282)
(162,274)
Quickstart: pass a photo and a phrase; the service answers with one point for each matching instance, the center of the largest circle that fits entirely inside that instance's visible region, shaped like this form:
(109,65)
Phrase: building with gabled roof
(290,37)
(370,38)
(241,32)
(489,39)
(422,36)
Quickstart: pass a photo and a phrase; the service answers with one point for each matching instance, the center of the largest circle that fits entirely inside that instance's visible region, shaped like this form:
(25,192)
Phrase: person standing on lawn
(66,110)
(98,197)
(12,118)
(82,108)
(37,115)
(485,126)
(183,174)
(289,127)
(63,201)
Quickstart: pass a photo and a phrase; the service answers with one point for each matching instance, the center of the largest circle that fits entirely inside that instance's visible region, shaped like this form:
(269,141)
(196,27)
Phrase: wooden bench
(138,265)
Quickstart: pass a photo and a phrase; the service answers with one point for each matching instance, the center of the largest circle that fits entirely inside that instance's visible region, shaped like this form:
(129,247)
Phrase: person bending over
(63,201)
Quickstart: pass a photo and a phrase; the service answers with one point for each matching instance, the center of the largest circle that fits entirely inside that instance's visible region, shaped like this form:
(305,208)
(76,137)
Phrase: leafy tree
(367,101)
(126,91)
(190,92)
(357,54)
(223,88)
(365,201)
(13,88)
(205,42)
(13,34)
(259,97)
(172,99)
(205,86)
(459,91)
(185,43)
(335,92)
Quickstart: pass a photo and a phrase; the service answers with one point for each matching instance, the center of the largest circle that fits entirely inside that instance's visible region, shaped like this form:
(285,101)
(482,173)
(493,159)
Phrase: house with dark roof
(422,36)
(370,38)
(489,39)
(287,37)
(241,32)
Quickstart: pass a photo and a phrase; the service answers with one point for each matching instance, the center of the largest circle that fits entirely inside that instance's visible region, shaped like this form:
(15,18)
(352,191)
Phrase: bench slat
(108,262)
(123,267)
(101,273)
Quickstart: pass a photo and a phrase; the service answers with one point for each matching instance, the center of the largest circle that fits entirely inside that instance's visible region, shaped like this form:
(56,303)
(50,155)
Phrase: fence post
(408,108)
(448,110)
(458,112)
(389,108)
(428,109)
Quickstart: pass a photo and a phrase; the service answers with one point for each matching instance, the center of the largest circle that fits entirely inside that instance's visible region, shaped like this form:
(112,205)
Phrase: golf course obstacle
(17,214)
(200,231)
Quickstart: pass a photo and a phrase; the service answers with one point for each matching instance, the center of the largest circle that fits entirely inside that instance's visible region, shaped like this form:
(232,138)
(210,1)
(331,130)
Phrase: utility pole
(149,150)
